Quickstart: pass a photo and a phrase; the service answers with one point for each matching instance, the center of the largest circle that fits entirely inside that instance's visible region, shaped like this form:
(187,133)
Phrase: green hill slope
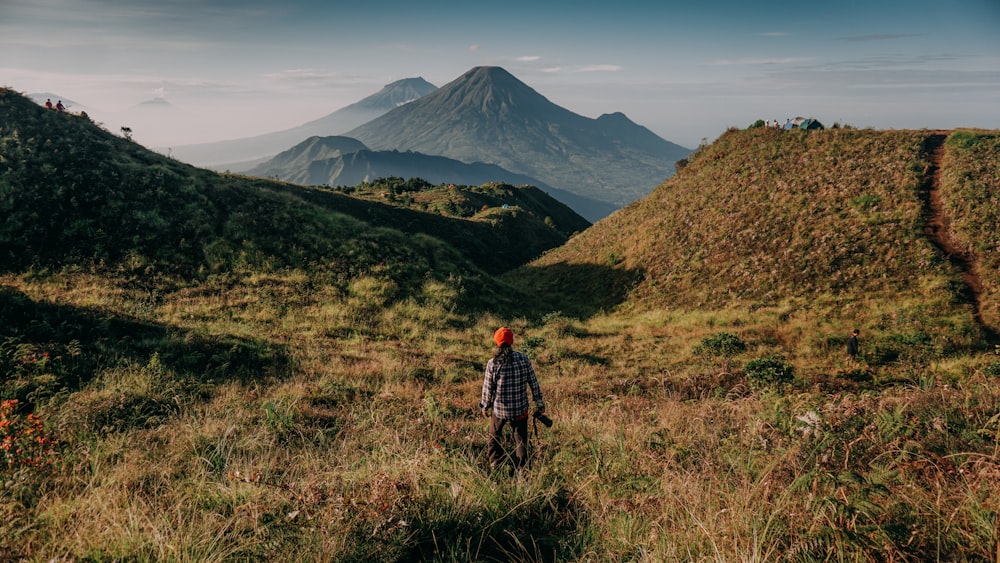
(970,197)
(73,195)
(829,221)
(481,202)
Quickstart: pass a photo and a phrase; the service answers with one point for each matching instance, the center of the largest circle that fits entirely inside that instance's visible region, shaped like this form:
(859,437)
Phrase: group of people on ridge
(777,125)
(58,107)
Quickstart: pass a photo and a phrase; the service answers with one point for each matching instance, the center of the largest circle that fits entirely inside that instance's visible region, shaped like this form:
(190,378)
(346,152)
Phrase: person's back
(507,378)
(513,374)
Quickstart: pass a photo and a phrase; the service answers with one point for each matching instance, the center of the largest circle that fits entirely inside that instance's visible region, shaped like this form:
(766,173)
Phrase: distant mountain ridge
(343,161)
(488,115)
(295,164)
(264,146)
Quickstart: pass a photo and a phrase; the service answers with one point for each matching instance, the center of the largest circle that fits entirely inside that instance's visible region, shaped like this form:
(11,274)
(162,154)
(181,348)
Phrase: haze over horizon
(222,70)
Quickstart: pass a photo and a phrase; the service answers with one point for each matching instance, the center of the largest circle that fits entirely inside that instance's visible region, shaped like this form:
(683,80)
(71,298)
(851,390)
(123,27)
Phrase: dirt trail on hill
(936,228)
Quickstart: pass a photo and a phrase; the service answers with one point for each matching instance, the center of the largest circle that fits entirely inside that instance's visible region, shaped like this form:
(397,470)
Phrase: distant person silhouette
(853,347)
(60,106)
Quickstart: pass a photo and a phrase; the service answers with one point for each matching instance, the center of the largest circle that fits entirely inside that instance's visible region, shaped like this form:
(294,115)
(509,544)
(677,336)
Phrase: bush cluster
(24,442)
(768,370)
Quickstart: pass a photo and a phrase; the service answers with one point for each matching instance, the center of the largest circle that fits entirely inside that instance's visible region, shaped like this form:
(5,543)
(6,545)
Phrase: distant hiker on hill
(48,103)
(852,347)
(508,373)
(60,106)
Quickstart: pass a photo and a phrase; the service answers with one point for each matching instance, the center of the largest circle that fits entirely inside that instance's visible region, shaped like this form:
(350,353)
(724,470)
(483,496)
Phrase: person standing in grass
(505,397)
(852,347)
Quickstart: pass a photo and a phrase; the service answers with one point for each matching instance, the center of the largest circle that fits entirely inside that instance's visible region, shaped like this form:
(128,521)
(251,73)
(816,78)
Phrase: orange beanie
(503,335)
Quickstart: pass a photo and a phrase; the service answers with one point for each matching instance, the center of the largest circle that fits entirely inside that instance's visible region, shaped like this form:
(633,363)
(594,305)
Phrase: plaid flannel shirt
(504,387)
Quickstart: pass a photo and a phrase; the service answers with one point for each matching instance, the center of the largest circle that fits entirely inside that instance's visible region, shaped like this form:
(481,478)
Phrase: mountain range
(344,161)
(484,117)
(236,153)
(488,115)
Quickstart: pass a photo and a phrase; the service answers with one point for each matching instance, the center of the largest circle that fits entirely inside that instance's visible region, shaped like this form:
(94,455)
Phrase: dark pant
(497,453)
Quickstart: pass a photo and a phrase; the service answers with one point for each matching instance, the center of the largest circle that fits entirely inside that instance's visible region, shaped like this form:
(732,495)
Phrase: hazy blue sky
(686,70)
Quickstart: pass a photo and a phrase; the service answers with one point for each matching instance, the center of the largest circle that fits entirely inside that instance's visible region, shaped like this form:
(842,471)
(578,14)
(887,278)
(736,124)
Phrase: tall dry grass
(369,447)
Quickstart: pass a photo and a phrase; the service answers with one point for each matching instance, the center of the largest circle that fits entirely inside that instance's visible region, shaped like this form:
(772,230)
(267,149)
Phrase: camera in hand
(543,419)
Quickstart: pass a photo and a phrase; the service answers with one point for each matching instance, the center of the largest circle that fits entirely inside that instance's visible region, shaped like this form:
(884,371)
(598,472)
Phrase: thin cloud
(833,79)
(528,59)
(88,38)
(309,76)
(599,68)
(757,62)
(117,12)
(581,69)
(877,37)
(894,62)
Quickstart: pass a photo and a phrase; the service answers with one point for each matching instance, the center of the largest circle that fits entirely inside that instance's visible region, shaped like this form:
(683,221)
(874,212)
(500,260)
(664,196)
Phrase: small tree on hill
(722,345)
(769,370)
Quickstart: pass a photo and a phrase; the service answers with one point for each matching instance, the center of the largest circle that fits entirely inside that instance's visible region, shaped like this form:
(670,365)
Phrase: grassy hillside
(806,234)
(72,194)
(156,406)
(471,201)
(970,189)
(765,215)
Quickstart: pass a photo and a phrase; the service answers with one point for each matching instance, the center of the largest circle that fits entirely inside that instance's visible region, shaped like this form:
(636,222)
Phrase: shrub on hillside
(768,370)
(722,345)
